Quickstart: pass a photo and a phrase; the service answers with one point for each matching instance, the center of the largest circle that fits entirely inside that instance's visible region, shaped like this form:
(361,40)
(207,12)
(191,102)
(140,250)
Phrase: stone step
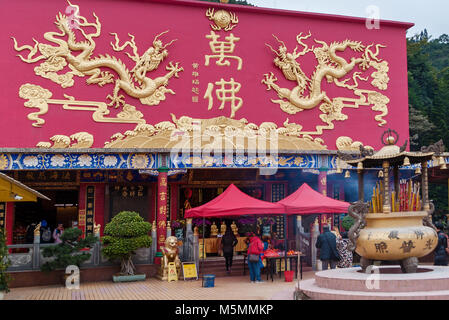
(352,280)
(315,292)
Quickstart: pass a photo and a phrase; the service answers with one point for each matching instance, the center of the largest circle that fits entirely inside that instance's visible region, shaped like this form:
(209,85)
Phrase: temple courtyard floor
(225,288)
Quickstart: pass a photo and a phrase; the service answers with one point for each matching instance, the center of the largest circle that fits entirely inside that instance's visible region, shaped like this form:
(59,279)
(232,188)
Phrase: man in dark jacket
(327,243)
(440,253)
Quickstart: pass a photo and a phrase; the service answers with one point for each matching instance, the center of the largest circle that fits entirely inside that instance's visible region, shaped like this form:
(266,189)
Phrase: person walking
(441,251)
(255,249)
(327,243)
(346,255)
(228,242)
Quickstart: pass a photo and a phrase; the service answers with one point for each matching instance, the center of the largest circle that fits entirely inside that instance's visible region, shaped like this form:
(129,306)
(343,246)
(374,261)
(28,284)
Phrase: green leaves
(69,251)
(126,233)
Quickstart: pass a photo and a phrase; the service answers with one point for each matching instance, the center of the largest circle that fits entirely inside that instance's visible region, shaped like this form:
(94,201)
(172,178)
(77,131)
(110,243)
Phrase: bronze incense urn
(396,223)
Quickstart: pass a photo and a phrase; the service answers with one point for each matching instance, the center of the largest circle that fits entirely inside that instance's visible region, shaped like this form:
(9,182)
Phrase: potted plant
(71,251)
(126,233)
(4,265)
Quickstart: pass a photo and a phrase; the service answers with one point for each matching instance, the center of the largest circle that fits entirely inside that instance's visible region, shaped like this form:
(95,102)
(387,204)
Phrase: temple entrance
(62,208)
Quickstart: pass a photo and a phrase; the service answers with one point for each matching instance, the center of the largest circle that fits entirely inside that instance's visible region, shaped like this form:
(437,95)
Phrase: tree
(69,252)
(4,263)
(126,233)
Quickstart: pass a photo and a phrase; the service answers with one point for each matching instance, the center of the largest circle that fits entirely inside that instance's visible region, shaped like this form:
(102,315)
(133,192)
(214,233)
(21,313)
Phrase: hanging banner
(90,209)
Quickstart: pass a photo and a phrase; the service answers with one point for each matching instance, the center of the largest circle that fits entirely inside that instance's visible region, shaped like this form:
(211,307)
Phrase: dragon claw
(116,101)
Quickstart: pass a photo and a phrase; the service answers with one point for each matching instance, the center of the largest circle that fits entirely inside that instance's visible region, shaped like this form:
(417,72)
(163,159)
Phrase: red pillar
(99,206)
(161,214)
(8,220)
(322,188)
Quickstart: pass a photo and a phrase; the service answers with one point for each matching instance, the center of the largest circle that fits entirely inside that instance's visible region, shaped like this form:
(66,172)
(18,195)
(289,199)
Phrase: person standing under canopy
(255,249)
(228,242)
(327,243)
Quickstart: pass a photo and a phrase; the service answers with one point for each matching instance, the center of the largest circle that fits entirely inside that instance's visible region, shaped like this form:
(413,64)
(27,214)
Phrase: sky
(428,14)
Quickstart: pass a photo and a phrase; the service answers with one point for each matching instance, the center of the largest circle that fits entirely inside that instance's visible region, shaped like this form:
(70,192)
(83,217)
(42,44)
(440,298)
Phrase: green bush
(69,251)
(126,233)
(347,223)
(4,263)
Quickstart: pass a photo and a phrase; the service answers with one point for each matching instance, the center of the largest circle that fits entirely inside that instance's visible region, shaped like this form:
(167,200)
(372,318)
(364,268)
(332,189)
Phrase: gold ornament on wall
(215,133)
(79,140)
(77,55)
(308,93)
(223,20)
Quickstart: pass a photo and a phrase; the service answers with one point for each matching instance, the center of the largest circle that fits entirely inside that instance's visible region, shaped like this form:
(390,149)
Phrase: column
(322,188)
(7,220)
(161,214)
(361,190)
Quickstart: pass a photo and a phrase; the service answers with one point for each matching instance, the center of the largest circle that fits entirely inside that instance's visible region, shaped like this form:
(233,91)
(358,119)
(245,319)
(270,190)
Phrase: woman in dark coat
(228,242)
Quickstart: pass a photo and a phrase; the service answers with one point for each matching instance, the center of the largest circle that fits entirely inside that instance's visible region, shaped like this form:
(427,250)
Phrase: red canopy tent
(308,201)
(233,202)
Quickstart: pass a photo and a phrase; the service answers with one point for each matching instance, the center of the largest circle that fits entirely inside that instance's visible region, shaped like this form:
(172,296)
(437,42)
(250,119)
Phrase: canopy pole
(285,243)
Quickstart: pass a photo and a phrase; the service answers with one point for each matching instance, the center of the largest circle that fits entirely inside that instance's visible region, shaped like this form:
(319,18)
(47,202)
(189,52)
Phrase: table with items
(275,262)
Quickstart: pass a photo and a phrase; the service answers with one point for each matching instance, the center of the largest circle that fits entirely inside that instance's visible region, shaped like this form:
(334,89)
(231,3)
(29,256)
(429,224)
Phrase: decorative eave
(394,160)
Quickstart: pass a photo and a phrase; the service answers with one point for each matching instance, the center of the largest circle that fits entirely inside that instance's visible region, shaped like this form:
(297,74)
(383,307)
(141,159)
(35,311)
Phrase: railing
(30,256)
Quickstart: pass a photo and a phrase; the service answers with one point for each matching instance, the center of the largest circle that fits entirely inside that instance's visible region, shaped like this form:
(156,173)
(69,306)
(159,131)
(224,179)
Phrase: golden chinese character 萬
(225,93)
(222,50)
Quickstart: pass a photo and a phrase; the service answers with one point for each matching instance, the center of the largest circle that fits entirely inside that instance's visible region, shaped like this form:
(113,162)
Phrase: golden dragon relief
(100,69)
(308,93)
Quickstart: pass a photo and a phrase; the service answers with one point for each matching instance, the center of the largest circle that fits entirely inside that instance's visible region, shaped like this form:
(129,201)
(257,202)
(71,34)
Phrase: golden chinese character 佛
(225,93)
(222,50)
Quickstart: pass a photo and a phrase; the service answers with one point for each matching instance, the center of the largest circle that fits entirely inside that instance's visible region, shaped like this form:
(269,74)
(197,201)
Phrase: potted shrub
(347,223)
(71,251)
(126,233)
(4,265)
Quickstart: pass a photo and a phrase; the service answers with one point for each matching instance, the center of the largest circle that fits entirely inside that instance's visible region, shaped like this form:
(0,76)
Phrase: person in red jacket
(255,248)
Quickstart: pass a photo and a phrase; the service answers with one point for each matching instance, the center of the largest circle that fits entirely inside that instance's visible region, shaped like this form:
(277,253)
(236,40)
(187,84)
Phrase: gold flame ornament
(360,166)
(347,174)
(380,174)
(418,170)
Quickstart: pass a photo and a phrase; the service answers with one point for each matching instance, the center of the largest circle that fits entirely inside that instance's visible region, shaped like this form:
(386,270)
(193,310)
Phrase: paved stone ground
(226,288)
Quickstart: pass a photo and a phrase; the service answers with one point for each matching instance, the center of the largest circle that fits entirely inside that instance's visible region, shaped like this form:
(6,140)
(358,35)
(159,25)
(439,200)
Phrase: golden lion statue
(170,252)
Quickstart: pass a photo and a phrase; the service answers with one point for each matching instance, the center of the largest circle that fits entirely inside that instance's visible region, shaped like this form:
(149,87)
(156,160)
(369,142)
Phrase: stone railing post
(36,252)
(154,242)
